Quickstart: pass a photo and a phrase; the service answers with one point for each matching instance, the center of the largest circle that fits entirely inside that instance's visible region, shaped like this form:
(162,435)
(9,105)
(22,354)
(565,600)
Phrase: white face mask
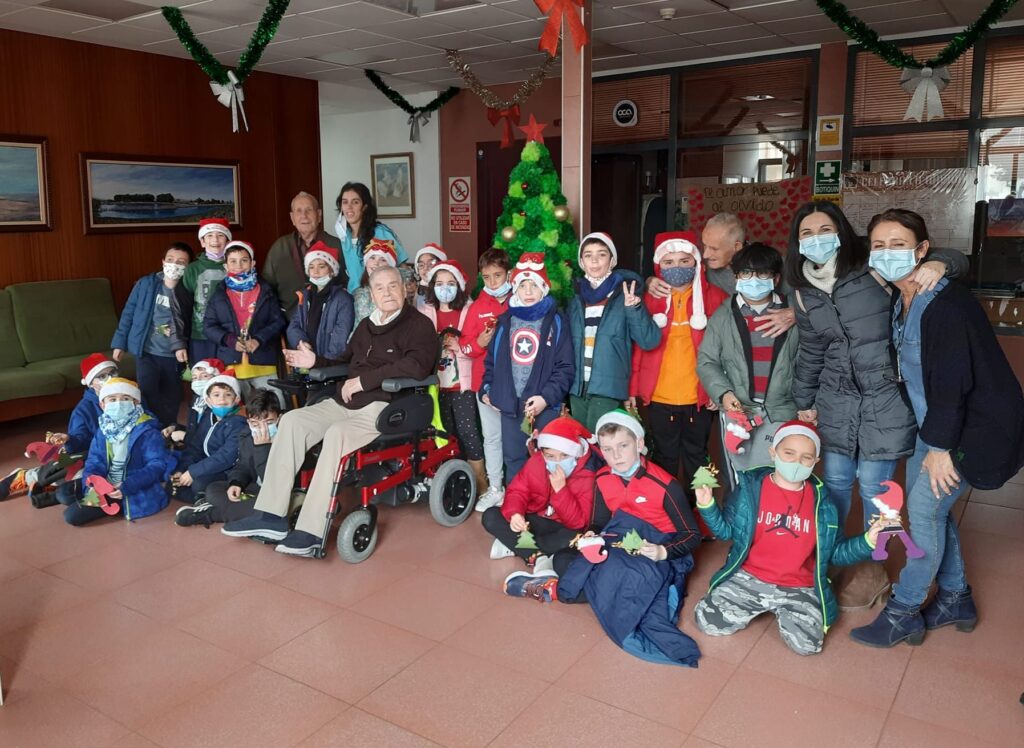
(320,282)
(173,271)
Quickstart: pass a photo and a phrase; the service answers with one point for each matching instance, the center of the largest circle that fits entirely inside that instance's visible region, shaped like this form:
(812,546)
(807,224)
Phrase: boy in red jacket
(551,496)
(481,322)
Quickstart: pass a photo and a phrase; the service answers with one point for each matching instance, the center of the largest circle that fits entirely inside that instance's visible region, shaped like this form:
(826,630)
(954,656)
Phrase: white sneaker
(543,567)
(499,551)
(491,497)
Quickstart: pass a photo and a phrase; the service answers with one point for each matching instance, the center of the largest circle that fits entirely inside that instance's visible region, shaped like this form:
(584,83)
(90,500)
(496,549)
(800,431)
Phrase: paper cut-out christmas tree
(706,475)
(631,543)
(526,541)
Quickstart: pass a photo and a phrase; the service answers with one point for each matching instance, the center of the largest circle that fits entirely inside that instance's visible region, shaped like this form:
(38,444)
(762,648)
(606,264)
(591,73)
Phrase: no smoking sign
(460,209)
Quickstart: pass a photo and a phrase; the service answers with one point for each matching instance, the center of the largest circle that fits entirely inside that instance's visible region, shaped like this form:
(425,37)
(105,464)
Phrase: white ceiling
(333,41)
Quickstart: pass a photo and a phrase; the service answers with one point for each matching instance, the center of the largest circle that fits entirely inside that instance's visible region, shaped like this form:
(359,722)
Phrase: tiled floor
(149,634)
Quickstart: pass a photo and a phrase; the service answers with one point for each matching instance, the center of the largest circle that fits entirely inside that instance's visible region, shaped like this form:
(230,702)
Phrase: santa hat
(381,248)
(431,249)
(320,251)
(452,267)
(620,418)
(227,379)
(207,225)
(598,236)
(681,241)
(797,428)
(93,364)
(239,243)
(213,365)
(121,386)
(565,435)
(531,267)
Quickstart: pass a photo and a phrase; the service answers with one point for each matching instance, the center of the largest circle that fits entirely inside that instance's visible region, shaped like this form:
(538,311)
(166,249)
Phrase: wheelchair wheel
(356,540)
(452,493)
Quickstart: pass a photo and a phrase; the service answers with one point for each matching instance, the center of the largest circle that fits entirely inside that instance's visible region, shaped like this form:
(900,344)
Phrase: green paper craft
(706,475)
(631,543)
(526,541)
(527,426)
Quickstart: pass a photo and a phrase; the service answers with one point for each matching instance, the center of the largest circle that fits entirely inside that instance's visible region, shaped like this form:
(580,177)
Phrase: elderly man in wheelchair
(393,351)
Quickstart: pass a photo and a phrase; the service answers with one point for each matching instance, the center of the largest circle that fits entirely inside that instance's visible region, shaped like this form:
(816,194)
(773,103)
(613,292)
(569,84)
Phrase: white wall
(348,139)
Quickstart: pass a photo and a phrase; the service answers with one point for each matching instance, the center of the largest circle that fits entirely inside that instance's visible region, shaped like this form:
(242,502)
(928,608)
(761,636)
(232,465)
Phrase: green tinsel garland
(890,53)
(400,101)
(265,31)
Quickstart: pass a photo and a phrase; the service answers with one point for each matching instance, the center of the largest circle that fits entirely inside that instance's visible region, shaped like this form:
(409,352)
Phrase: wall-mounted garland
(418,115)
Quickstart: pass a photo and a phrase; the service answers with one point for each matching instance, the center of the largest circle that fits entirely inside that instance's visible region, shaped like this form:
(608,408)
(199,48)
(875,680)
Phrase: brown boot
(481,476)
(862,586)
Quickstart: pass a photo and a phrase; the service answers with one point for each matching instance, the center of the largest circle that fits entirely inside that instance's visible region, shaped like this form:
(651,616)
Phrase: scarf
(595,295)
(535,312)
(241,281)
(377,316)
(822,277)
(117,430)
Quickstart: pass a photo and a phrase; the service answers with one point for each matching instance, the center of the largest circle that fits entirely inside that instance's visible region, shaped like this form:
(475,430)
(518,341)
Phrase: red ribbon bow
(555,10)
(510,117)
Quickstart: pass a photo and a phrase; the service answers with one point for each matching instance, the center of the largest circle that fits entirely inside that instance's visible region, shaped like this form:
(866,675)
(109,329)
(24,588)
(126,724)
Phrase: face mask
(223,410)
(199,386)
(271,430)
(241,281)
(819,248)
(567,465)
(893,264)
(628,473)
(794,472)
(173,271)
(503,290)
(445,294)
(320,282)
(217,256)
(678,277)
(755,288)
(118,410)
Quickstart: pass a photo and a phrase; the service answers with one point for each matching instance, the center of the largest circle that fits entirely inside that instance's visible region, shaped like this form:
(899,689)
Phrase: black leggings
(680,431)
(549,535)
(460,417)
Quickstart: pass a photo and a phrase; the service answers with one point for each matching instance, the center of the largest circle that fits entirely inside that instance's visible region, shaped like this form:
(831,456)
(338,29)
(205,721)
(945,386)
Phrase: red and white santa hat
(93,364)
(227,379)
(668,242)
(431,249)
(207,225)
(598,236)
(381,248)
(531,267)
(121,386)
(566,435)
(320,251)
(797,428)
(212,365)
(620,418)
(239,243)
(453,267)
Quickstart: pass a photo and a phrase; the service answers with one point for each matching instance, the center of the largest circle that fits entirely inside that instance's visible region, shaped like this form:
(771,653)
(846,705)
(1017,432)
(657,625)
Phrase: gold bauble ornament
(561,213)
(508,234)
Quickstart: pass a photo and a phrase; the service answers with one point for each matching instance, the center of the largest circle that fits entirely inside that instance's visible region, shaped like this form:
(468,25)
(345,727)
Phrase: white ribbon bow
(415,119)
(925,84)
(230,95)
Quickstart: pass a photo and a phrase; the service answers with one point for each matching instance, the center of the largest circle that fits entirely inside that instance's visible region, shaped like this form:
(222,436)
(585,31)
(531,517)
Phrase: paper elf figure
(102,487)
(889,505)
(738,430)
(42,451)
(593,548)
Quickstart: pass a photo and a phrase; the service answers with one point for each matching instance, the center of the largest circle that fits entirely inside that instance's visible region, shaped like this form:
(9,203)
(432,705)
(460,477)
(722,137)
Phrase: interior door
(615,203)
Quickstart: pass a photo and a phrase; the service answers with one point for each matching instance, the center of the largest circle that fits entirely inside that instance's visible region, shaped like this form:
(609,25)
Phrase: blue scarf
(116,430)
(535,312)
(591,295)
(241,282)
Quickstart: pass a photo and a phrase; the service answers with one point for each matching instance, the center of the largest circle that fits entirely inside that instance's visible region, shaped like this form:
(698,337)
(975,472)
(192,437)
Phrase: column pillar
(576,114)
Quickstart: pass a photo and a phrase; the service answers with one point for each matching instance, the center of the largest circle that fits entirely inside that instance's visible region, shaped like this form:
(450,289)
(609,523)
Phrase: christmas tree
(534,217)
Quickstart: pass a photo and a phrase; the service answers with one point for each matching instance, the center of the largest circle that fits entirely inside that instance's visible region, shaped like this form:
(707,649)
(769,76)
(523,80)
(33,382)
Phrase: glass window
(650,95)
(879,100)
(927,150)
(743,162)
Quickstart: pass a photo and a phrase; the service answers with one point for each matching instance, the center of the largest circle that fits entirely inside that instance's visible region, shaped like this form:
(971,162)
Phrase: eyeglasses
(748,274)
(105,377)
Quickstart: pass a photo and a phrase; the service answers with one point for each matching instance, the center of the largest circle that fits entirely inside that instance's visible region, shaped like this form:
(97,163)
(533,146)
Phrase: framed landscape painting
(394,188)
(123,193)
(24,193)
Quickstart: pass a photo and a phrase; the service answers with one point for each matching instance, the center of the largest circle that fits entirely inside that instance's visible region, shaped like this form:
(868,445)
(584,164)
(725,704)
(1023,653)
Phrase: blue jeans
(934,529)
(840,473)
(159,380)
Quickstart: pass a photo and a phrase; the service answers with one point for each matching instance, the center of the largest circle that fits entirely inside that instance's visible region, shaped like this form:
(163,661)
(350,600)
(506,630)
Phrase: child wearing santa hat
(785,533)
(379,253)
(666,377)
(129,453)
(529,364)
(201,278)
(424,261)
(322,323)
(551,497)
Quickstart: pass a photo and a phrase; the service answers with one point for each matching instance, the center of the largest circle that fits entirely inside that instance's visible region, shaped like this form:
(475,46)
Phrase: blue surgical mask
(446,294)
(567,465)
(628,473)
(893,264)
(199,386)
(320,282)
(223,410)
(503,290)
(755,288)
(678,277)
(271,430)
(118,410)
(794,472)
(819,248)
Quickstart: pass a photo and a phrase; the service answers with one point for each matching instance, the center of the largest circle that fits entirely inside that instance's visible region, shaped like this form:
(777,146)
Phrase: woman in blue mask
(447,306)
(970,414)
(845,380)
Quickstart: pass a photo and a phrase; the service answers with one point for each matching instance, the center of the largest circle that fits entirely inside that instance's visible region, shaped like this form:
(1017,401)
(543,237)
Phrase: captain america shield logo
(525,344)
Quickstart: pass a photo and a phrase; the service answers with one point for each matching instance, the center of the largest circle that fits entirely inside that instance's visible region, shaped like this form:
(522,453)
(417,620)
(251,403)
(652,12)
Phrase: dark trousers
(200,349)
(74,513)
(70,491)
(459,416)
(226,510)
(680,432)
(549,535)
(160,382)
(561,562)
(513,440)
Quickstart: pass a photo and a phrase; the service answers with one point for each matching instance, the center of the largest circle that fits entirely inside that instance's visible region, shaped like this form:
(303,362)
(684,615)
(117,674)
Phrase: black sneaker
(199,514)
(258,525)
(299,543)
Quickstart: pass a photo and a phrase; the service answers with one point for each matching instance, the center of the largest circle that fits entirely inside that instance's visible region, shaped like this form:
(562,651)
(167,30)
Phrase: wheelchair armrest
(328,373)
(407,383)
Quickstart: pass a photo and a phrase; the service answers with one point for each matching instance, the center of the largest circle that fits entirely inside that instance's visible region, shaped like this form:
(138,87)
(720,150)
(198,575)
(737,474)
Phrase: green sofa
(46,329)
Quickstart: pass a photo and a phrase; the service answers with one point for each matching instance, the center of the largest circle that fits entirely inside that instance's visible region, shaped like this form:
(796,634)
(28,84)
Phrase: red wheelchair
(404,465)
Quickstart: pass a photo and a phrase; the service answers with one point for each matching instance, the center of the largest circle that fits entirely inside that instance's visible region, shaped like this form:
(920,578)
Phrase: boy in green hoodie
(201,278)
